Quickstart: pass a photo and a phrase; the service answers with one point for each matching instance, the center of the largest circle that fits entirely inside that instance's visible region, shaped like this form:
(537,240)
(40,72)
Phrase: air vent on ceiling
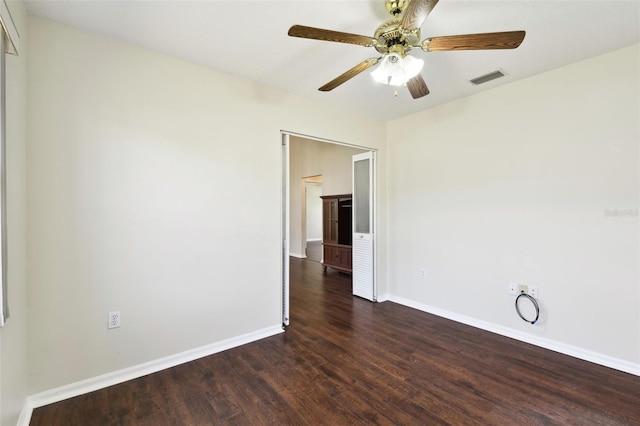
(487,77)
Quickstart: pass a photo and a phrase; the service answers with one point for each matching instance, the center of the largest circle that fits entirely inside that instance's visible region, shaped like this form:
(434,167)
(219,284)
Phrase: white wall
(515,184)
(144,183)
(13,336)
(312,158)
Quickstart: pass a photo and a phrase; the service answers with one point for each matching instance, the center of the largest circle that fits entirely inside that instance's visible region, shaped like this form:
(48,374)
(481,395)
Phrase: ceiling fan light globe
(386,69)
(412,67)
(395,70)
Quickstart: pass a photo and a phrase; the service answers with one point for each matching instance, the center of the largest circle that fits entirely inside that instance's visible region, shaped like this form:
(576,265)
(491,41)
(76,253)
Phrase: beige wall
(145,176)
(13,336)
(312,158)
(515,185)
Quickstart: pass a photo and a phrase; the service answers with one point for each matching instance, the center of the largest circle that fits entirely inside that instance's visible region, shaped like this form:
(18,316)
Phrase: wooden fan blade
(417,87)
(416,12)
(504,40)
(330,35)
(349,74)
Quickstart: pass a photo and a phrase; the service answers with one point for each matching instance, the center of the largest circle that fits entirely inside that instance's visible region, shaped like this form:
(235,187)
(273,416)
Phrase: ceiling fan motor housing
(390,38)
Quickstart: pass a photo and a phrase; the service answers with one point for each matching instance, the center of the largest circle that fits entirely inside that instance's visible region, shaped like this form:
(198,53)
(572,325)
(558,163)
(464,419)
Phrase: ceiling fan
(395,37)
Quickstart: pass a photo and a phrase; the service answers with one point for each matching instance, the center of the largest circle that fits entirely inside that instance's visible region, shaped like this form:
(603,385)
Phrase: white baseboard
(119,376)
(574,351)
(313,240)
(299,256)
(383,298)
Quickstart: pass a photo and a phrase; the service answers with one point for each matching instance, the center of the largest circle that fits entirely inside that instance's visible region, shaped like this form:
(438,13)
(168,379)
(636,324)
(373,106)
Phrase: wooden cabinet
(337,257)
(336,232)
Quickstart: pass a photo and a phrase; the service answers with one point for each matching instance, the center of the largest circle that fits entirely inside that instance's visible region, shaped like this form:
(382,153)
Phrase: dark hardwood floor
(347,361)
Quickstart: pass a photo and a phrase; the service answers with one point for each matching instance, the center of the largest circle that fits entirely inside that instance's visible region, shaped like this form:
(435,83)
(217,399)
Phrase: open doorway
(306,157)
(313,217)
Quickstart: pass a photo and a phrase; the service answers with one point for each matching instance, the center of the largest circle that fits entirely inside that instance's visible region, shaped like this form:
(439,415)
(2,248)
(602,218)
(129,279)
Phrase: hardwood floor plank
(347,361)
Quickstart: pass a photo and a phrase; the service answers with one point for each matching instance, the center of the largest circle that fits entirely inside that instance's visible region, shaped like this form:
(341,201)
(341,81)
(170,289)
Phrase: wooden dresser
(336,232)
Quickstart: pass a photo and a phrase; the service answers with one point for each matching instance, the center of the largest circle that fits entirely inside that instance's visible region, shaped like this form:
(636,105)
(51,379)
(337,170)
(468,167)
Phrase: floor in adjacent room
(344,360)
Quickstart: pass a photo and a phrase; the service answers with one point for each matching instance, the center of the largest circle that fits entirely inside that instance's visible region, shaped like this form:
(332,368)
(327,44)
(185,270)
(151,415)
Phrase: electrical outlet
(513,289)
(533,292)
(114,319)
(423,273)
(523,288)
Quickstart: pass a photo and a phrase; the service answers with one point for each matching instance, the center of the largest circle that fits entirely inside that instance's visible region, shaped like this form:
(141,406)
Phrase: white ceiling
(249,39)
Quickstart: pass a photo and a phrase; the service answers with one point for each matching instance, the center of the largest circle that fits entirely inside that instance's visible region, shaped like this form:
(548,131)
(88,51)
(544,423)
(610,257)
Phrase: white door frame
(286,212)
